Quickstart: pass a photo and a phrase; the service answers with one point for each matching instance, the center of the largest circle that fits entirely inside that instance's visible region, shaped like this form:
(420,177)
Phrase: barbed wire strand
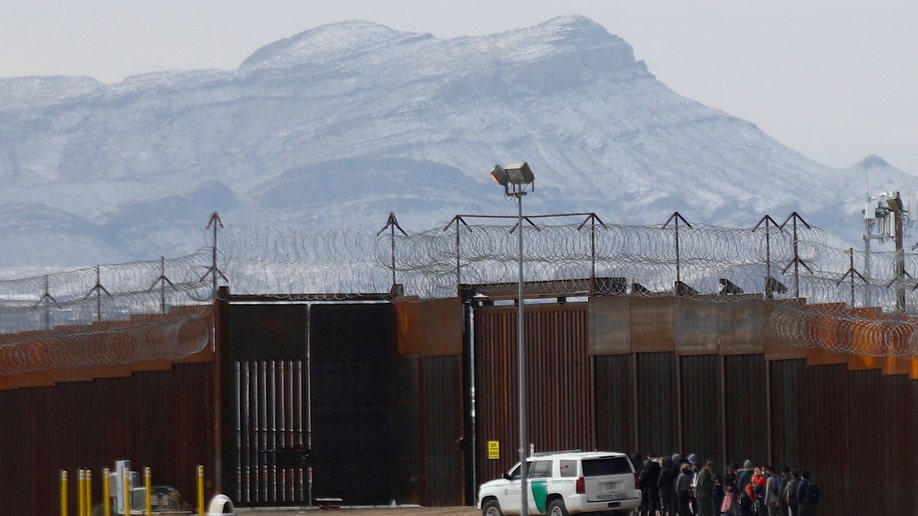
(568,259)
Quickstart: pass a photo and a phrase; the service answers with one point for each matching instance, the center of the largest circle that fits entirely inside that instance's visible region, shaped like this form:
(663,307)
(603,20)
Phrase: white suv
(563,483)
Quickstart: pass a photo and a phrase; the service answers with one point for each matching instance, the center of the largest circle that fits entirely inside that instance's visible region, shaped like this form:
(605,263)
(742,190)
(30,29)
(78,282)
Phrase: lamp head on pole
(514,178)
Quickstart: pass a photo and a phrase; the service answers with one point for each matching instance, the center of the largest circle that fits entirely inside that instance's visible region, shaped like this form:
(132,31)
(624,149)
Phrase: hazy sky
(836,81)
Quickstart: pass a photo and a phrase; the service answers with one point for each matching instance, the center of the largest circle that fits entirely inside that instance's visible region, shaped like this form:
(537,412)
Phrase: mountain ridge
(400,122)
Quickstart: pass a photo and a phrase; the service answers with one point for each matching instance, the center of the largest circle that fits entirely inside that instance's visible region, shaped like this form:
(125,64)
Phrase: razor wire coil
(338,264)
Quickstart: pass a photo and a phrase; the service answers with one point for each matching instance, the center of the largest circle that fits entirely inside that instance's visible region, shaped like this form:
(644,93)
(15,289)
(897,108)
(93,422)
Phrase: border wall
(667,374)
(631,373)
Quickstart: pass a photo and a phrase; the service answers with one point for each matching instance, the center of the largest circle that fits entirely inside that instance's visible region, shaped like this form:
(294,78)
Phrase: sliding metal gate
(266,427)
(307,402)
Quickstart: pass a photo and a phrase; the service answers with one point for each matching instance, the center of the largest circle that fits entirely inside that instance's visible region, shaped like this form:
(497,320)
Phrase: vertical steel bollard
(63,492)
(106,492)
(147,480)
(88,497)
(200,489)
(81,492)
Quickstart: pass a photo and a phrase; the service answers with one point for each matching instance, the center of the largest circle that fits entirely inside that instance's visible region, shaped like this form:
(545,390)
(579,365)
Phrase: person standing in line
(730,504)
(717,498)
(637,460)
(693,462)
(755,491)
(772,498)
(678,462)
(790,493)
(683,490)
(666,487)
(785,478)
(808,495)
(649,476)
(704,490)
(744,476)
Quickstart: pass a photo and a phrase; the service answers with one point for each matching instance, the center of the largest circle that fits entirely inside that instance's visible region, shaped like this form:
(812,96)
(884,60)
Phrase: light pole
(516,179)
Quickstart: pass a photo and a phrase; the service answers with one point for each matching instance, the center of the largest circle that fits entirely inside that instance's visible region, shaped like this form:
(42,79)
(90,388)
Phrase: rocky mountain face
(342,124)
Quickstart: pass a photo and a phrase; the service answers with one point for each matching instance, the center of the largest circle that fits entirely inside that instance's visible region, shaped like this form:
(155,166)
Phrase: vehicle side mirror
(507,476)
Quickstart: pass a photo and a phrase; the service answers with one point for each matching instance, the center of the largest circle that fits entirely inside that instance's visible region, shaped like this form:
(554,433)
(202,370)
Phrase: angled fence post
(392,224)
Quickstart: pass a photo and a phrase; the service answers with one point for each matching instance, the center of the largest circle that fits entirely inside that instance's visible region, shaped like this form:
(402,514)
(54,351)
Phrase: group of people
(677,486)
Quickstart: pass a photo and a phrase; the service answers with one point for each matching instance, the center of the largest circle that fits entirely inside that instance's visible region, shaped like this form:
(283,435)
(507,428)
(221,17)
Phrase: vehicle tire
(491,508)
(556,507)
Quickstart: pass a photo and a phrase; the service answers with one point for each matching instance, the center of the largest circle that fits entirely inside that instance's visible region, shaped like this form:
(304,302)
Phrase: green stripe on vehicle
(539,493)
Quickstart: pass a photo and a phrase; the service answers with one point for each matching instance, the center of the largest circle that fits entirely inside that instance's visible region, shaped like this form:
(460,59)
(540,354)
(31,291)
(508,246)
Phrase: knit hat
(693,459)
(747,464)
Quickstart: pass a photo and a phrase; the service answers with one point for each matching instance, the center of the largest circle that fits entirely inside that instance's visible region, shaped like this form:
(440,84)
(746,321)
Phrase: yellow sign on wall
(493,450)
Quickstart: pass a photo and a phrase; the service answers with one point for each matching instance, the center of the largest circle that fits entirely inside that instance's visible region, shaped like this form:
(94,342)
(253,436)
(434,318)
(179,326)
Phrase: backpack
(811,492)
(776,486)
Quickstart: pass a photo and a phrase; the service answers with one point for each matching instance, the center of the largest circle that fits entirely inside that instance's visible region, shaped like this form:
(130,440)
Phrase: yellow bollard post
(106,492)
(127,491)
(63,492)
(88,497)
(200,490)
(148,489)
(81,492)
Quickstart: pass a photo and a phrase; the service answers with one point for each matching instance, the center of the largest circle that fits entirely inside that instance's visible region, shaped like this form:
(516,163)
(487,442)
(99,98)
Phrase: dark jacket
(666,482)
(650,475)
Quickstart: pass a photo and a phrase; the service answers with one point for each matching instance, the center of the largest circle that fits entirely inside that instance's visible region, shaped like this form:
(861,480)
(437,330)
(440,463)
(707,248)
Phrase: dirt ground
(369,511)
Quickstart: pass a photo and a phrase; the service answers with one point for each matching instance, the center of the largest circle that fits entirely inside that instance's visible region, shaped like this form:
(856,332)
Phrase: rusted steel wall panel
(828,424)
(496,392)
(745,407)
(162,420)
(787,377)
(709,326)
(615,403)
(559,379)
(695,326)
(656,403)
(429,327)
(741,331)
(653,323)
(610,325)
(701,398)
(900,400)
(408,425)
(443,432)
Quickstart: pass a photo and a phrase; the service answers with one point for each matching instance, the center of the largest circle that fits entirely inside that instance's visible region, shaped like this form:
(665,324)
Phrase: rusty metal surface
(157,419)
(429,327)
(615,403)
(560,403)
(849,419)
(610,325)
(442,430)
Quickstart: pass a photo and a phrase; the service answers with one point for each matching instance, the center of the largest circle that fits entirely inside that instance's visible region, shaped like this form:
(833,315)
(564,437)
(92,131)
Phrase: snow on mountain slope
(339,125)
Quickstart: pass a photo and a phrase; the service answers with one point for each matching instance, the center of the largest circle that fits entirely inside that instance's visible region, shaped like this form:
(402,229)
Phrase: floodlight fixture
(515,177)
(895,202)
(499,175)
